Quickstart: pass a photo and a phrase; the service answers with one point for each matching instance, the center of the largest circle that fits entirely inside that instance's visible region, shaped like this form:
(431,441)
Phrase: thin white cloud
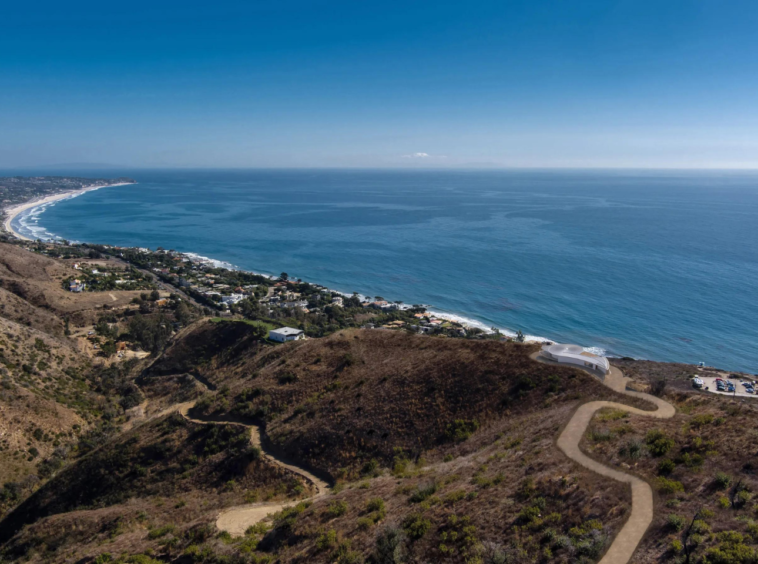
(417,156)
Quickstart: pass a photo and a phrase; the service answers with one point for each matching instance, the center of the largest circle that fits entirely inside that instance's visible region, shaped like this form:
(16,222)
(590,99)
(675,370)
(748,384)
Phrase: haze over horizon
(595,84)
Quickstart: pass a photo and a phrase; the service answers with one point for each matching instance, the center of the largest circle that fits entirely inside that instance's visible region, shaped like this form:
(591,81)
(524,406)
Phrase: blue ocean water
(658,265)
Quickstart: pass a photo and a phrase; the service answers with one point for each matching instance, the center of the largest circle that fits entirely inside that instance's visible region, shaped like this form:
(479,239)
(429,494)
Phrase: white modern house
(576,355)
(285,334)
(232,299)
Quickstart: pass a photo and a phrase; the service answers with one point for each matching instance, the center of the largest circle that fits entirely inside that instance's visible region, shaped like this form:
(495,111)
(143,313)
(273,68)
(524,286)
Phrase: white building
(285,334)
(232,299)
(576,355)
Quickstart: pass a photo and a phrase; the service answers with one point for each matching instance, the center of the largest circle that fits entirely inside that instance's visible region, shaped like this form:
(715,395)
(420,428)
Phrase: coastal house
(232,299)
(76,286)
(337,301)
(300,303)
(576,355)
(285,334)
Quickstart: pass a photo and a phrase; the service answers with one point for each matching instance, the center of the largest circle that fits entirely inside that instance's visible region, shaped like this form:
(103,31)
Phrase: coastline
(12,212)
(468,322)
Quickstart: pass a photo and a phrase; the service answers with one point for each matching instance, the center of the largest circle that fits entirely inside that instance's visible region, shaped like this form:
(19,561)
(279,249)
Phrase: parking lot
(710,383)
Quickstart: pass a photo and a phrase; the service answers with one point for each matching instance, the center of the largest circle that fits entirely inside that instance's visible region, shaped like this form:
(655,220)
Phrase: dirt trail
(625,543)
(237,519)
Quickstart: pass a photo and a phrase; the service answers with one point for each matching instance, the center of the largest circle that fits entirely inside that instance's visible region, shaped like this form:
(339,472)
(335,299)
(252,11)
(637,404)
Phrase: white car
(697,383)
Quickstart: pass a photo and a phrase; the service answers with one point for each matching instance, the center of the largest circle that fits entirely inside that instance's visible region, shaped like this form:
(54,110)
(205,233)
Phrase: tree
(104,329)
(182,313)
(260,331)
(151,333)
(284,276)
(108,348)
(154,296)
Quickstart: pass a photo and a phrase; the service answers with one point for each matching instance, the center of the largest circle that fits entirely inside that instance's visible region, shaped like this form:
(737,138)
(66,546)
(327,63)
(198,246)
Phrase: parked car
(697,383)
(720,387)
(730,387)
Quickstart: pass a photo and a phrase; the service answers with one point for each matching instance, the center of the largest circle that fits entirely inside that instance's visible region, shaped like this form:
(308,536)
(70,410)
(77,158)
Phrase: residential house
(285,334)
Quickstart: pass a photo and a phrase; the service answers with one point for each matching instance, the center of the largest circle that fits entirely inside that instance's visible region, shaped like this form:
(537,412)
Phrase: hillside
(60,397)
(446,479)
(337,403)
(433,449)
(168,469)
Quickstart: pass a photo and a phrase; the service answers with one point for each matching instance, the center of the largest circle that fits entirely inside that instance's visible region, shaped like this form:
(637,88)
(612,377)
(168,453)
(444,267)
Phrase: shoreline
(12,212)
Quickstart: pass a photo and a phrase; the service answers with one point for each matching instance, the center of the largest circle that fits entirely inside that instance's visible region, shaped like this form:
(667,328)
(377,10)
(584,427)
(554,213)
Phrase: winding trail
(237,519)
(623,546)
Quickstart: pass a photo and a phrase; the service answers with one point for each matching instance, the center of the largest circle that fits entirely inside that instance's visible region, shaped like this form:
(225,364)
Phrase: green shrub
(658,443)
(600,435)
(365,523)
(667,486)
(455,496)
(724,502)
(676,546)
(461,429)
(675,522)
(326,540)
(159,532)
(612,414)
(666,467)
(370,467)
(742,498)
(336,508)
(632,450)
(701,420)
(375,504)
(416,526)
(423,492)
(287,517)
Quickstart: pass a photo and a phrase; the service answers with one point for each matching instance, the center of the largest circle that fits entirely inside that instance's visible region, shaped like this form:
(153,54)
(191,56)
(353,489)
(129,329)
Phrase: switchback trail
(623,546)
(237,519)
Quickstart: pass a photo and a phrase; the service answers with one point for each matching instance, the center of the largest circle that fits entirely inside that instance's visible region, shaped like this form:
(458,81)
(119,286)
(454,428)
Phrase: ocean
(656,265)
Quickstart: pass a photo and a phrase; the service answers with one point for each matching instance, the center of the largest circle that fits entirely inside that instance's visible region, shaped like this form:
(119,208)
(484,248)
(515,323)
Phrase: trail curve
(235,520)
(623,546)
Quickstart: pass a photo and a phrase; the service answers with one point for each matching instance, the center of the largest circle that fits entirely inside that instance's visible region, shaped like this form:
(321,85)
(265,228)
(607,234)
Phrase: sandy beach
(11,212)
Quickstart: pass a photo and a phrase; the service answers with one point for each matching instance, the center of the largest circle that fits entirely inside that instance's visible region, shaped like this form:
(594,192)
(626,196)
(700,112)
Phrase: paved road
(160,283)
(626,542)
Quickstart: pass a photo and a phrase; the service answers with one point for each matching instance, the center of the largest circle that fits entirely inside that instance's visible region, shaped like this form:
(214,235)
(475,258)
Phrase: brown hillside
(212,466)
(340,401)
(42,402)
(37,280)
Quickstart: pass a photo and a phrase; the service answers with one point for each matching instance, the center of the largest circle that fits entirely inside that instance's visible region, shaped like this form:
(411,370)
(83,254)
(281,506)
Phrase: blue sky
(633,83)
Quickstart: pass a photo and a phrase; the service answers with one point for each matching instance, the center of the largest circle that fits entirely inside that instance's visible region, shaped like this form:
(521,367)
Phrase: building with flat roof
(285,334)
(576,355)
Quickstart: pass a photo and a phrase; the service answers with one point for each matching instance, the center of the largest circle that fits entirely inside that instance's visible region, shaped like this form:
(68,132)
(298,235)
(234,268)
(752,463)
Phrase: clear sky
(564,83)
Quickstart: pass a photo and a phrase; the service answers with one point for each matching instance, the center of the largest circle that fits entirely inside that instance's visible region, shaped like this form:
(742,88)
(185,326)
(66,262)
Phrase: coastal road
(626,542)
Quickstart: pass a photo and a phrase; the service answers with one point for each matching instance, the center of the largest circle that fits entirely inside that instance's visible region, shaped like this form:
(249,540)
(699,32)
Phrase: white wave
(210,261)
